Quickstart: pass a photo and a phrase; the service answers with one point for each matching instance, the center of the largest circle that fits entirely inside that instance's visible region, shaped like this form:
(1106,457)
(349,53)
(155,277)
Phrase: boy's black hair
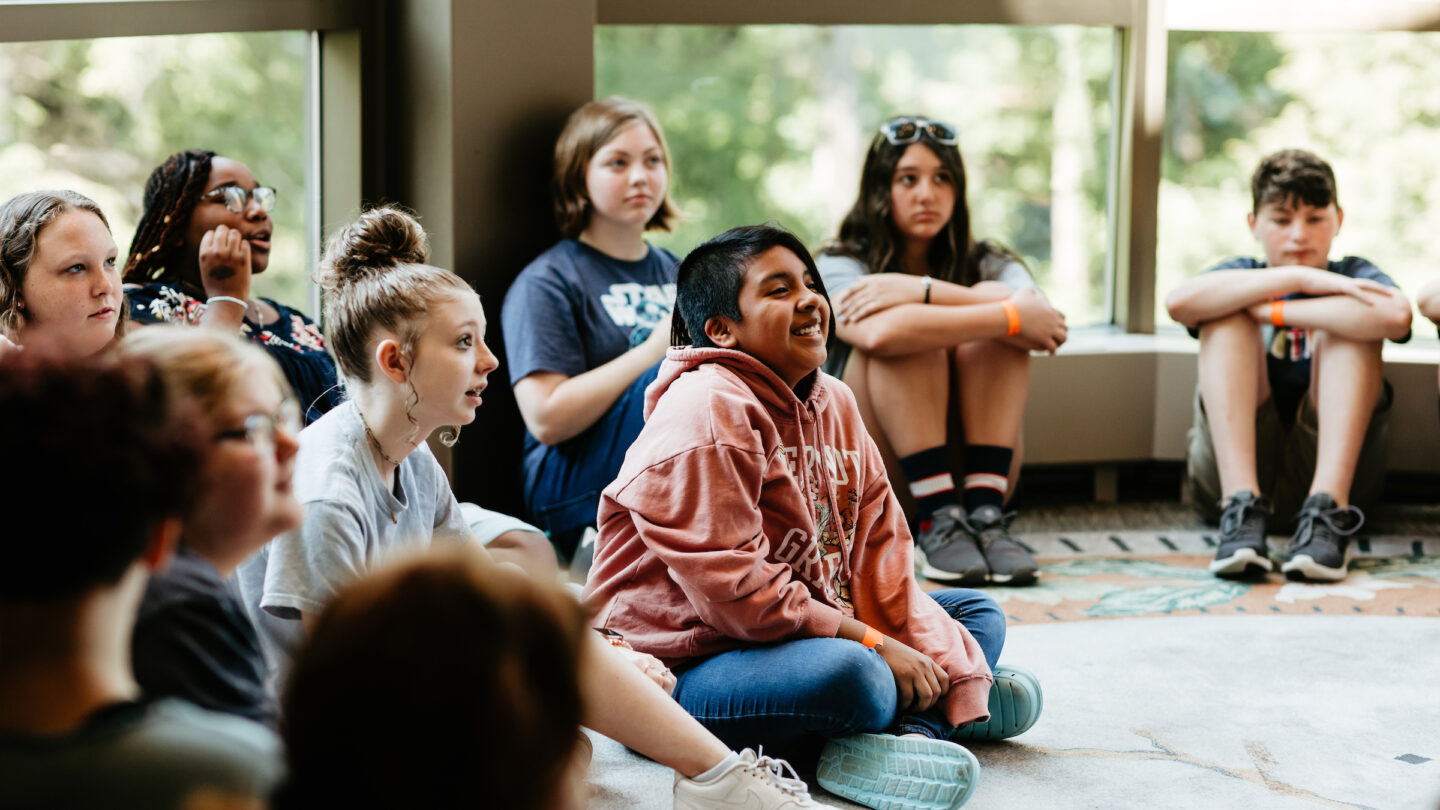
(1293,174)
(710,278)
(96,454)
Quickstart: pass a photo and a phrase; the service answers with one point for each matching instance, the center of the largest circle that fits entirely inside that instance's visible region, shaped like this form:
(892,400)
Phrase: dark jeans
(563,481)
(772,695)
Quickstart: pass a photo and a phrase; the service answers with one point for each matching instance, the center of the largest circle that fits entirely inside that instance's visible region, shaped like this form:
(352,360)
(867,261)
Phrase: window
(98,115)
(1365,102)
(771,122)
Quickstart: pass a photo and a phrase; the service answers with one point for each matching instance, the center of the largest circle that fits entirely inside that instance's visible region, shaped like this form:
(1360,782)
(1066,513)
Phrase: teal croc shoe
(1015,705)
(885,772)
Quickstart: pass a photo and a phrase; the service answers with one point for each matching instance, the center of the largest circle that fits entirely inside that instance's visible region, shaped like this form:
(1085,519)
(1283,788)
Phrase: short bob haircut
(710,278)
(22,219)
(476,667)
(1291,175)
(586,133)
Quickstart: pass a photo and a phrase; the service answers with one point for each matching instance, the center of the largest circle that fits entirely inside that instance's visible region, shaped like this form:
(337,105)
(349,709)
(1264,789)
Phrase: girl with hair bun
(59,288)
(587,323)
(409,340)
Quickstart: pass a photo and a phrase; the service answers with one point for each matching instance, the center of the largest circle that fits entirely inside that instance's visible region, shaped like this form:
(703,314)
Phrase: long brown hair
(868,232)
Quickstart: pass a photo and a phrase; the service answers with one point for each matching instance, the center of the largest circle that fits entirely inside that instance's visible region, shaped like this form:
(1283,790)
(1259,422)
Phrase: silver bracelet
(925,282)
(232,299)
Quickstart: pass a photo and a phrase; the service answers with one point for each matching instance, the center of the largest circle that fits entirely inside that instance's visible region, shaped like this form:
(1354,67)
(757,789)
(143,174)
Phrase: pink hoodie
(721,529)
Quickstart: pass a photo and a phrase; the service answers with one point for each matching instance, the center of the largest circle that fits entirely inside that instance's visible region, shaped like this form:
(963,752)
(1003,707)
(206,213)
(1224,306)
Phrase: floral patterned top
(294,341)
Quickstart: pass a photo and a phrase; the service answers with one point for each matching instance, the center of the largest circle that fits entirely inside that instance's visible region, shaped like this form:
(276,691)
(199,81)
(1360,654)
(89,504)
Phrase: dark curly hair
(1293,174)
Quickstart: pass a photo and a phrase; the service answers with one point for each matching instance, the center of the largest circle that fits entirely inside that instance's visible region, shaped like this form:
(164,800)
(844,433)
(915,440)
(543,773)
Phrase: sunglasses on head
(237,198)
(900,131)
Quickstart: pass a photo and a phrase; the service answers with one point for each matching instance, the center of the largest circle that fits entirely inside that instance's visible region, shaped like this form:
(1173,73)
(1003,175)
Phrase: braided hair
(171,194)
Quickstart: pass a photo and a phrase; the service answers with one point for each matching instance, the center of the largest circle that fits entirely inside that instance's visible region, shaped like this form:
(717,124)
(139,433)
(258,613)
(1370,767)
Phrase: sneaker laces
(773,771)
(1237,511)
(952,524)
(1308,518)
(992,532)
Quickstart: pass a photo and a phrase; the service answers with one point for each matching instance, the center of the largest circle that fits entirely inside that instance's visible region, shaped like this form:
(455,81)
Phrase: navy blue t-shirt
(575,308)
(1288,350)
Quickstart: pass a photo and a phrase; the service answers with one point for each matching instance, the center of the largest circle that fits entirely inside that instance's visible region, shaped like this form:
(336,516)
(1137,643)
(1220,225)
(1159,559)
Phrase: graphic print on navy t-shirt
(574,308)
(638,308)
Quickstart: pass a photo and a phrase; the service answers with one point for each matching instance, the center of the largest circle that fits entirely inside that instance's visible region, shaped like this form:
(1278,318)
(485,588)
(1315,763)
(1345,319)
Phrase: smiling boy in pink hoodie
(753,543)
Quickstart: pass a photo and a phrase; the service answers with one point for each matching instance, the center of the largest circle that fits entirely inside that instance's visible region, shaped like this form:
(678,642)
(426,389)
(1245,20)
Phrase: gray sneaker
(1242,553)
(1320,548)
(1009,563)
(951,553)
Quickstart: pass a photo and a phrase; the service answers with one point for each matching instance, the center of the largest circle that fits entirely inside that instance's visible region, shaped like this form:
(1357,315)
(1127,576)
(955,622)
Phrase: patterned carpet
(1133,573)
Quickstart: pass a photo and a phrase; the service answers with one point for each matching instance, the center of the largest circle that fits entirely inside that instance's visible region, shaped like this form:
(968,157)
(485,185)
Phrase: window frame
(332,94)
(1139,86)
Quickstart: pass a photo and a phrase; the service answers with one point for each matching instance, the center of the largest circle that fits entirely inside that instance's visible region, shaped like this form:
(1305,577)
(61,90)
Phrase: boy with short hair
(112,481)
(753,543)
(1291,401)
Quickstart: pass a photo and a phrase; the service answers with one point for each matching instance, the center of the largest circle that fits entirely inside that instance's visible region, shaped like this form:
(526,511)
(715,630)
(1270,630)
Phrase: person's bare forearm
(1388,316)
(914,328)
(556,408)
(1428,300)
(1219,293)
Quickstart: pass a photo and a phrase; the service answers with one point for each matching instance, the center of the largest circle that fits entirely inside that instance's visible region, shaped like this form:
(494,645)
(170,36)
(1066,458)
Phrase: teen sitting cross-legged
(752,541)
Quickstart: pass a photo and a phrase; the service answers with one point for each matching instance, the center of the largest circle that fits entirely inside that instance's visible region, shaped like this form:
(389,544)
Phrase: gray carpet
(1256,712)
(1243,710)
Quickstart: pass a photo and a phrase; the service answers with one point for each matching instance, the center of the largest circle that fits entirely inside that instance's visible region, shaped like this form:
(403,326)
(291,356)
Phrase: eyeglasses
(900,131)
(236,198)
(260,428)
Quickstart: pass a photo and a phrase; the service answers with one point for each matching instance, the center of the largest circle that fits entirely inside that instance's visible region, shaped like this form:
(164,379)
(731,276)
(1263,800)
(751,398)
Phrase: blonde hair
(201,364)
(374,276)
(586,132)
(22,219)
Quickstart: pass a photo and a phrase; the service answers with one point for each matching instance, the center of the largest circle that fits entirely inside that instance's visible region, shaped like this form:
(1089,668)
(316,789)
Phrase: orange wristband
(872,637)
(1012,317)
(1277,312)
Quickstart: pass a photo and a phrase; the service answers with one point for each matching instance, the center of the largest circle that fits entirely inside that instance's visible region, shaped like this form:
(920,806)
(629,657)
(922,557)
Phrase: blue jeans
(563,481)
(775,694)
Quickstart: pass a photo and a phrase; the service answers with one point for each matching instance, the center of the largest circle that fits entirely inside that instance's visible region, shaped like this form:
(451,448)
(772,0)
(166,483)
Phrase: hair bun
(379,240)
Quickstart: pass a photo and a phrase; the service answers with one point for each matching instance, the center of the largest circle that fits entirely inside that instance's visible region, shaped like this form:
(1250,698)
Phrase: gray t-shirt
(839,272)
(152,755)
(352,522)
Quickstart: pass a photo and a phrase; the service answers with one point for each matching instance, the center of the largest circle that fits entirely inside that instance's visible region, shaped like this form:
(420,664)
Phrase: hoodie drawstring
(836,524)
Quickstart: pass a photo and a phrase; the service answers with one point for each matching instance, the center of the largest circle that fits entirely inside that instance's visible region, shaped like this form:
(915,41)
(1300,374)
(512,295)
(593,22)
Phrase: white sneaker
(756,782)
